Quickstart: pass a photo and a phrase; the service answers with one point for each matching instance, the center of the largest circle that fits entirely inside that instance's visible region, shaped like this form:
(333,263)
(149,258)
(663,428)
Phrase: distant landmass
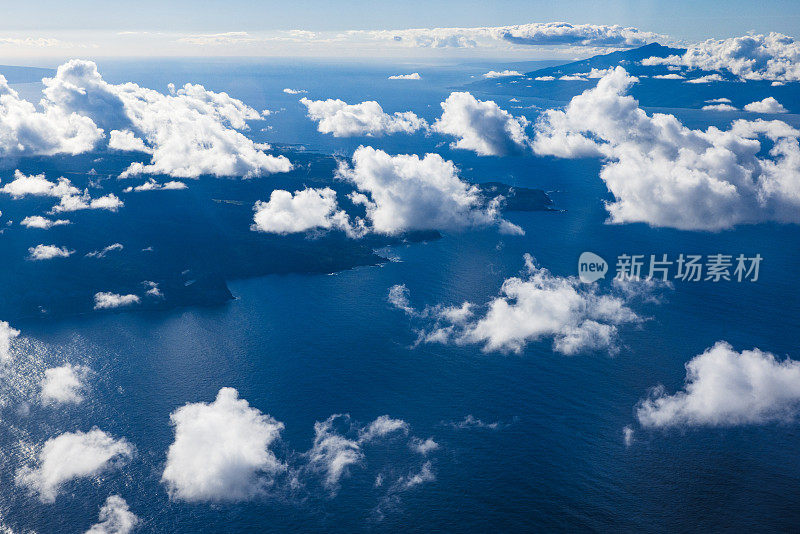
(185,243)
(650,91)
(25,74)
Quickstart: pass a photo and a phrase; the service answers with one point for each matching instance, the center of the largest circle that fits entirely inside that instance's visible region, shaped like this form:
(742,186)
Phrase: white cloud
(115,518)
(751,57)
(719,107)
(501,74)
(341,119)
(532,307)
(7,333)
(572,78)
(84,201)
(670,76)
(308,209)
(665,174)
(38,185)
(64,384)
(481,126)
(26,131)
(471,422)
(406,192)
(104,300)
(412,76)
(706,79)
(104,252)
(70,456)
(333,453)
(423,447)
(48,252)
(718,100)
(221,450)
(726,388)
(152,289)
(534,34)
(627,436)
(189,132)
(381,427)
(127,141)
(152,185)
(424,475)
(768,105)
(545,78)
(70,197)
(294,91)
(37,221)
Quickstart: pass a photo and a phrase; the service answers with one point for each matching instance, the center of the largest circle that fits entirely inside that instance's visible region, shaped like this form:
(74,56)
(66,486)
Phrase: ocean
(550,453)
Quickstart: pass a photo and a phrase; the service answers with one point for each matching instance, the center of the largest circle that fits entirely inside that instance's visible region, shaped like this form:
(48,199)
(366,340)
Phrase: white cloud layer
(221,450)
(481,126)
(665,174)
(724,387)
(341,119)
(70,456)
(115,518)
(532,307)
(533,34)
(751,57)
(64,385)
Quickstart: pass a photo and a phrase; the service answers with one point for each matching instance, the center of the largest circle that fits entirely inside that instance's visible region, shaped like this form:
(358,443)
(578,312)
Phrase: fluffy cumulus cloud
(115,518)
(48,252)
(70,456)
(24,130)
(221,450)
(768,105)
(38,185)
(665,174)
(533,34)
(406,192)
(104,300)
(64,385)
(7,333)
(341,119)
(535,306)
(70,197)
(724,387)
(481,126)
(304,210)
(190,132)
(43,223)
(751,57)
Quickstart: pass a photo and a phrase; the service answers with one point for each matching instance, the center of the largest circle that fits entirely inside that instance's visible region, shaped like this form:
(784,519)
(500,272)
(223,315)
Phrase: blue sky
(90,28)
(681,18)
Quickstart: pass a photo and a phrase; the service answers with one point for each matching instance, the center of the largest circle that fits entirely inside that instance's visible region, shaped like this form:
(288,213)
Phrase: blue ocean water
(303,347)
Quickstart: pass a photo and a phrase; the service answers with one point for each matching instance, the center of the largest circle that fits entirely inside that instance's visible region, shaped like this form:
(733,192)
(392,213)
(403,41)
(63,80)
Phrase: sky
(92,28)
